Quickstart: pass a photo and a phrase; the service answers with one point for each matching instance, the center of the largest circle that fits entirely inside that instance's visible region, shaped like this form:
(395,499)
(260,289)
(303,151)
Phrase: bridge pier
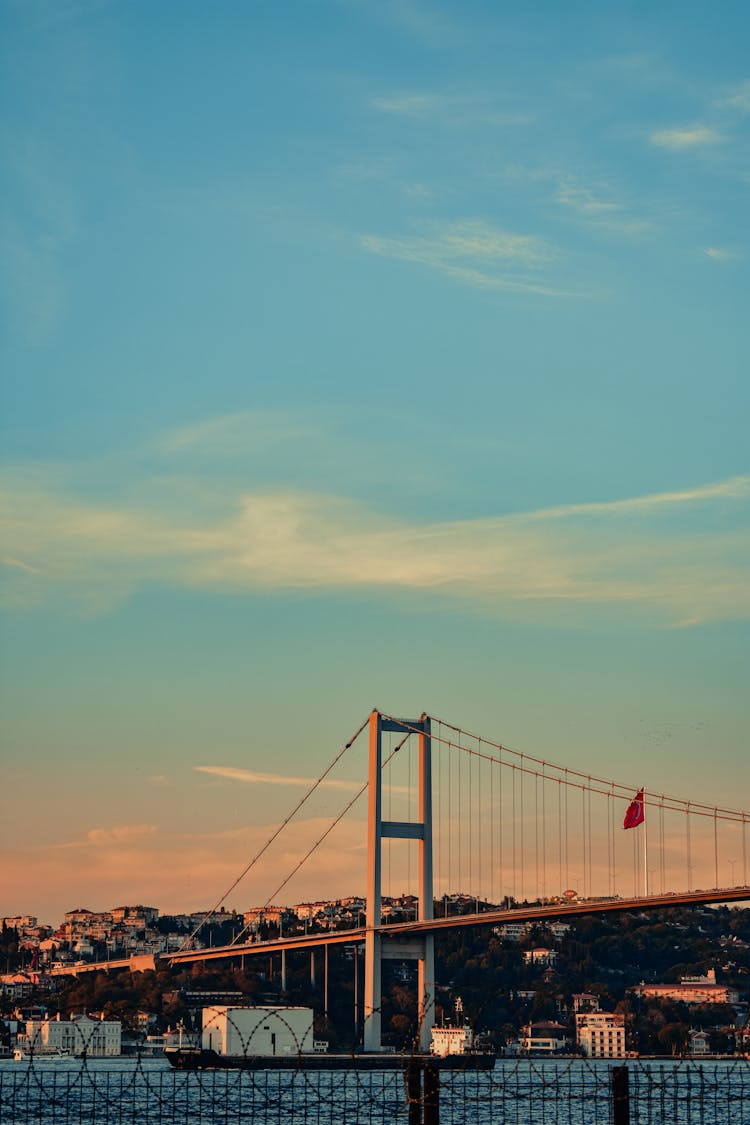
(378,830)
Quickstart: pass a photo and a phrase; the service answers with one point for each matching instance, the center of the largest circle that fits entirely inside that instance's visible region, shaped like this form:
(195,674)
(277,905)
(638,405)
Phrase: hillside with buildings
(668,982)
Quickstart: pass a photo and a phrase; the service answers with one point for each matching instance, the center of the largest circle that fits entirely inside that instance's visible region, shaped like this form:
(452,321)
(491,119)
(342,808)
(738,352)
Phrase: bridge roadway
(403,930)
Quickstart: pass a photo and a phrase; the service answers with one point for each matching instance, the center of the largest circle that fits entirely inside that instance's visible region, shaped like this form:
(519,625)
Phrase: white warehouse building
(257,1031)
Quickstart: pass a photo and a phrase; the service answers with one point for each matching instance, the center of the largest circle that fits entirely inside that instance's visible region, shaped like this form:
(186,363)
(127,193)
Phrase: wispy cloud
(19,564)
(720,253)
(583,200)
(254,777)
(409,105)
(116,836)
(686,137)
(599,210)
(738,98)
(687,565)
(475,253)
(230,434)
(454,110)
(735,488)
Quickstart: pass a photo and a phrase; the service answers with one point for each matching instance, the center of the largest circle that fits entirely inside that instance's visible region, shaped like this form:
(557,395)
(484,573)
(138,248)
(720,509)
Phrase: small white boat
(20,1054)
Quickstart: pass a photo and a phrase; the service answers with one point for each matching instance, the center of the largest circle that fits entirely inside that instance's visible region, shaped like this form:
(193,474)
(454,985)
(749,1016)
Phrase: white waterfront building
(98,1038)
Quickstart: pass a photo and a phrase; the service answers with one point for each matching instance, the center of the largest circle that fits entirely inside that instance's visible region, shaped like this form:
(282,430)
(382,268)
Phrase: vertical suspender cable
(521,827)
(563,886)
(492,833)
(565,826)
(390,810)
(536,836)
(439,807)
(613,830)
(513,827)
(544,835)
(501,824)
(450,820)
(614,841)
(609,843)
(460,817)
(583,840)
(470,825)
(410,817)
(479,823)
(591,873)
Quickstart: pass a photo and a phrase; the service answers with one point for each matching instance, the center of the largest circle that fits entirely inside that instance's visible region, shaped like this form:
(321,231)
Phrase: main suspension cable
(329,829)
(210,913)
(585,780)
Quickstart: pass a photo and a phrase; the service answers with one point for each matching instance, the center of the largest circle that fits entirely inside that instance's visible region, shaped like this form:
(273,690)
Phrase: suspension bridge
(528,839)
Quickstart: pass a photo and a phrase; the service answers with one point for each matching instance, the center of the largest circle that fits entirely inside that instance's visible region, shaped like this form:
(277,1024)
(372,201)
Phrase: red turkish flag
(635,814)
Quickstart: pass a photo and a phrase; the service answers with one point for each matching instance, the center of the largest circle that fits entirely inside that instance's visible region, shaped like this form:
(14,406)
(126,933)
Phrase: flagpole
(645,847)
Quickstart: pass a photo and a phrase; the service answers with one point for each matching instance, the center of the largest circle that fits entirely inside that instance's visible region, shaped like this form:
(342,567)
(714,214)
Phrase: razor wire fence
(523,1092)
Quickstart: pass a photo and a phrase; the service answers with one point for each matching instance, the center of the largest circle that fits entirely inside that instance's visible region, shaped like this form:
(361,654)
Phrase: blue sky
(361,354)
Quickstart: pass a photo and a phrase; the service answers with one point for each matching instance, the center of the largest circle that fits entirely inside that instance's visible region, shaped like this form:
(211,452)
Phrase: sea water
(132,1091)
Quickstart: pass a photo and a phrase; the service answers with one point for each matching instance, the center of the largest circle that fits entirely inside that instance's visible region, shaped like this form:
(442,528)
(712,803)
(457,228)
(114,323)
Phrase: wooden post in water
(413,1080)
(431,1094)
(620,1086)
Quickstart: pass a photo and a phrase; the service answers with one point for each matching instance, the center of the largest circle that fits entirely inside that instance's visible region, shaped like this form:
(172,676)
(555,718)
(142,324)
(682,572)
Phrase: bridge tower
(422,947)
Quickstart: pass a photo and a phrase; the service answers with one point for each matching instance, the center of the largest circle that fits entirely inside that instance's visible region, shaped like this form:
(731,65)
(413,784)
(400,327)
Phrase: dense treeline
(11,955)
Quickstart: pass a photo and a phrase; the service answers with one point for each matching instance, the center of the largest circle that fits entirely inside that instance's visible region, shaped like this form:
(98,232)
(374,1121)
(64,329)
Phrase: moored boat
(51,1055)
(202,1058)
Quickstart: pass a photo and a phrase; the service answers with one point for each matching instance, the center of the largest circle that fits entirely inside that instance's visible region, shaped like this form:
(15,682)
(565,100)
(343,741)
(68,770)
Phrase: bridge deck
(550,912)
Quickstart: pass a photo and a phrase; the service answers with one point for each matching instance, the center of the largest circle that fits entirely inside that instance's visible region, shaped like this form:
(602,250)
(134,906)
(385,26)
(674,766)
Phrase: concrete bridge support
(376,946)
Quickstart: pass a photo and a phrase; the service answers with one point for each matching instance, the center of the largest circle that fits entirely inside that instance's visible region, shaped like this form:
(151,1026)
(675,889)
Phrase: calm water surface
(563,1092)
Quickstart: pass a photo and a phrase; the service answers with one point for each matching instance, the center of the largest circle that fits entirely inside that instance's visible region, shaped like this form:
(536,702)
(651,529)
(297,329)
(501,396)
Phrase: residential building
(138,916)
(548,1038)
(692,990)
(540,956)
(601,1035)
(511,931)
(699,1043)
(83,923)
(277,915)
(16,986)
(514,931)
